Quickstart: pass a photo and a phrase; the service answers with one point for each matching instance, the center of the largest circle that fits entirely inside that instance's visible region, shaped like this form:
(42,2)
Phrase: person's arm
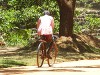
(52,23)
(38,23)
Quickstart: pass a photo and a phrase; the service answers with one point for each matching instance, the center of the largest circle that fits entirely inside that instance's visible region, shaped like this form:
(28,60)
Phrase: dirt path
(81,67)
(74,67)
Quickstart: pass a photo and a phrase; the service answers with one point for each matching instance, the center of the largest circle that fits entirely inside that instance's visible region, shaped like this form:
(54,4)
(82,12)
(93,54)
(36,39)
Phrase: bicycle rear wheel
(53,53)
(40,54)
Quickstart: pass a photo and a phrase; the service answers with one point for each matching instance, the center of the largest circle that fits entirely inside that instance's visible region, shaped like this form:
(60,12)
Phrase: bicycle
(42,53)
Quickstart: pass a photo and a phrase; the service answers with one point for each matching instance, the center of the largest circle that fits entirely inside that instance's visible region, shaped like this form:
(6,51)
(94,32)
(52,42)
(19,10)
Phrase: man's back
(45,24)
(46,20)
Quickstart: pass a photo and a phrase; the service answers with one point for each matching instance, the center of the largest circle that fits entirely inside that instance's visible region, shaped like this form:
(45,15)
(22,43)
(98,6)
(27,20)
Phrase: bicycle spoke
(53,54)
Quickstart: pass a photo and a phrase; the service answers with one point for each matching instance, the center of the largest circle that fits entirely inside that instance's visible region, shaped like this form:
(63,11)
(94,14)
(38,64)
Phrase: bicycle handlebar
(34,29)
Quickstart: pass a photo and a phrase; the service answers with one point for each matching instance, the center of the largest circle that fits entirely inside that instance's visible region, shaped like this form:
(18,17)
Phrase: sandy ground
(81,67)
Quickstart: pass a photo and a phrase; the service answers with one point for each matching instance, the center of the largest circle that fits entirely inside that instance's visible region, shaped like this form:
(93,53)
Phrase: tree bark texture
(67,8)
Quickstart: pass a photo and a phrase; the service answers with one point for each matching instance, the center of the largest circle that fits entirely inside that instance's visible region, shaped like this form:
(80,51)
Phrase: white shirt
(45,27)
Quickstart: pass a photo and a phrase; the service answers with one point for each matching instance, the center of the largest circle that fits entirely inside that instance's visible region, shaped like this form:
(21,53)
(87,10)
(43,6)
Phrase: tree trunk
(66,17)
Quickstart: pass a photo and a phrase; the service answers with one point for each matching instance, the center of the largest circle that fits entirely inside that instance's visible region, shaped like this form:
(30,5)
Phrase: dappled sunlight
(72,66)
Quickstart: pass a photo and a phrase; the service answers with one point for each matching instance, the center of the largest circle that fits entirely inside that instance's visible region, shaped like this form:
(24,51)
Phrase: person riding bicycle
(45,26)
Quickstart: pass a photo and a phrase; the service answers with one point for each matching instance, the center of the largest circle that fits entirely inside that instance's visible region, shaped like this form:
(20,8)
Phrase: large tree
(67,8)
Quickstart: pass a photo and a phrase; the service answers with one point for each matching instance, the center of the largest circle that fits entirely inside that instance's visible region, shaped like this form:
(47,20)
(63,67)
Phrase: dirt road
(82,67)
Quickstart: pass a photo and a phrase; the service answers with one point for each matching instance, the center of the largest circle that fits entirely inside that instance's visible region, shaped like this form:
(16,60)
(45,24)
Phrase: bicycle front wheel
(53,53)
(40,54)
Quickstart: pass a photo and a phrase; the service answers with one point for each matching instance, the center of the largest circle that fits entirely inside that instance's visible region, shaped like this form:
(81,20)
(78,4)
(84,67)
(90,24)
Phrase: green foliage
(89,3)
(90,22)
(93,22)
(16,15)
(18,38)
(97,0)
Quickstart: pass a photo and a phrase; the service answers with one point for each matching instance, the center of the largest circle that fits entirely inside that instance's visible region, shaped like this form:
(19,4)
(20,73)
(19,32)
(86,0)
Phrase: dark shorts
(47,38)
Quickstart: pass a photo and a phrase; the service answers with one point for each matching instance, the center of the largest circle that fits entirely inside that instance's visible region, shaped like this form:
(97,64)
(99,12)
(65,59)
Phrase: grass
(71,56)
(97,37)
(9,63)
(28,58)
(17,58)
(17,61)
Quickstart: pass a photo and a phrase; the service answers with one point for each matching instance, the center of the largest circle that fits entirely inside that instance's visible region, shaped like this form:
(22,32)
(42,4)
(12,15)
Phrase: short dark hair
(46,12)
